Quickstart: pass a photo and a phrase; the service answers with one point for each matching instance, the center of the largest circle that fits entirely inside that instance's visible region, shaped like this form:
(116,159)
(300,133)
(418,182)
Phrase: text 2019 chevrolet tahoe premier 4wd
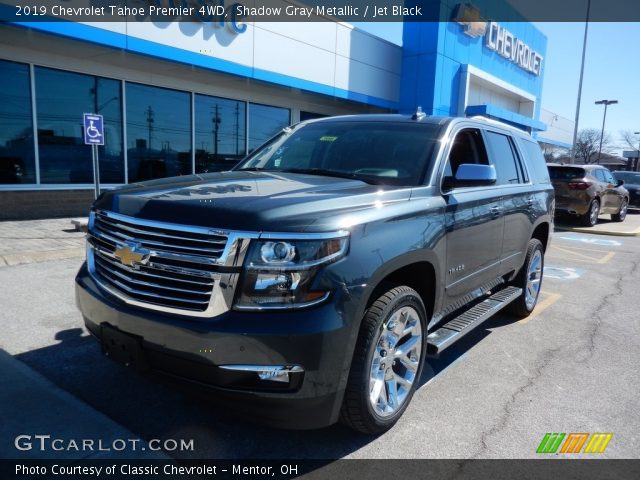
(310,283)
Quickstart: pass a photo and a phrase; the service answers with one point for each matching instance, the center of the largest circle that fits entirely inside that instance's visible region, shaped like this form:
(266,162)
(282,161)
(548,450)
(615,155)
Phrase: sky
(612,71)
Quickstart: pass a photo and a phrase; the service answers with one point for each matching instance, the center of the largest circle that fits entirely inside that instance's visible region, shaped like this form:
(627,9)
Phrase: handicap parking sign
(93,129)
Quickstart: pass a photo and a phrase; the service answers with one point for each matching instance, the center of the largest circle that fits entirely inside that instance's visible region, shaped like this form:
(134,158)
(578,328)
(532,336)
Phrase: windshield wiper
(333,173)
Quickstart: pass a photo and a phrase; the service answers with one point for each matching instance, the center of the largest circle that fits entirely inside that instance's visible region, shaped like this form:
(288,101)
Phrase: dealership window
(17,160)
(61,99)
(220,133)
(310,115)
(158,132)
(265,122)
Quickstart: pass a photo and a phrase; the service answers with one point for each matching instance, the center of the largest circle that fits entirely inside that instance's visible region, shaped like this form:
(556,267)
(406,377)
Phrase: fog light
(274,375)
(270,373)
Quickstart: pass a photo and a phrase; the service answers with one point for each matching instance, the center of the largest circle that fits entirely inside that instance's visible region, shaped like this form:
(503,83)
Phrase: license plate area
(123,348)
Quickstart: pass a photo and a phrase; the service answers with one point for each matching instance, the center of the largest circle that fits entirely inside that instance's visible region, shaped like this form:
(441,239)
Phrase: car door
(518,198)
(609,195)
(473,220)
(601,188)
(616,194)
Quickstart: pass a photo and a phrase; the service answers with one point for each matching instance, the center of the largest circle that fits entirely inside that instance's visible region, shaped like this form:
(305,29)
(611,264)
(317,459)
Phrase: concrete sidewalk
(31,405)
(629,228)
(30,241)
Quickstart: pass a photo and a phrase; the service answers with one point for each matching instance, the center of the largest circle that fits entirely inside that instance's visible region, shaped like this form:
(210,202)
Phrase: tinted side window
(535,161)
(501,154)
(467,147)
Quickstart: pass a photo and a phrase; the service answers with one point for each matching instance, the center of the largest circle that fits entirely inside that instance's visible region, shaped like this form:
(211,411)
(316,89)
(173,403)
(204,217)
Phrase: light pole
(584,51)
(635,167)
(606,103)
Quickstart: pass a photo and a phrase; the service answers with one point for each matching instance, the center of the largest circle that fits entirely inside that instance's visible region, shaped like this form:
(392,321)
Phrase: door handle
(530,202)
(495,210)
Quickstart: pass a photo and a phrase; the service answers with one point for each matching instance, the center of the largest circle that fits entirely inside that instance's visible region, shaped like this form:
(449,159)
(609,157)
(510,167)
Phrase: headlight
(278,273)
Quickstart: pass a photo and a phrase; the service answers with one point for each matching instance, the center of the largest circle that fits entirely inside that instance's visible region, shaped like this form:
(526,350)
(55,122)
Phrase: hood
(253,201)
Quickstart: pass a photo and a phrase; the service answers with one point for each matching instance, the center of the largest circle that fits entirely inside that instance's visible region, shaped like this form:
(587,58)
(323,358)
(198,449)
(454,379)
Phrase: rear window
(566,173)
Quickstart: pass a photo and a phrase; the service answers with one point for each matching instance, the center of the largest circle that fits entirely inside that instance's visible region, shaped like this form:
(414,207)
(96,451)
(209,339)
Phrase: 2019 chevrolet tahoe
(310,283)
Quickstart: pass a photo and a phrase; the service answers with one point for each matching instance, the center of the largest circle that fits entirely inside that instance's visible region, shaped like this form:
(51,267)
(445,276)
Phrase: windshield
(628,177)
(374,152)
(566,173)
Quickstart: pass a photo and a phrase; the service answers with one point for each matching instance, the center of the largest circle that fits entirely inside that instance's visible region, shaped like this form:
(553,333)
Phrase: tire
(370,372)
(533,269)
(590,218)
(622,213)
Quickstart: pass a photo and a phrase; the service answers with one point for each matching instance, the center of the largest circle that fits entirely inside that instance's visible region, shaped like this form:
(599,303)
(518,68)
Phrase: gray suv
(311,283)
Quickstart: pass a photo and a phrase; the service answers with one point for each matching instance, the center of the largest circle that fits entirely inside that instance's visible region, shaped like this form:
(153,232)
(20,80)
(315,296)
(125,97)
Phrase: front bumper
(191,350)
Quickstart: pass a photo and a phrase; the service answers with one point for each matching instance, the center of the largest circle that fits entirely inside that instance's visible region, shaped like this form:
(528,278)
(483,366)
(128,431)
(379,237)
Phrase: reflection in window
(61,99)
(17,161)
(158,132)
(265,122)
(220,133)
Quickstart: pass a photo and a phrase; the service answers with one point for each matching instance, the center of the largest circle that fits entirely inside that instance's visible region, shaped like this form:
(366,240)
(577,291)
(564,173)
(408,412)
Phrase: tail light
(579,185)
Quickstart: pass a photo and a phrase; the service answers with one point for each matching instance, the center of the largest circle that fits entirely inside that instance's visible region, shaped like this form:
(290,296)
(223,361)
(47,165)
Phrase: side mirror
(619,183)
(472,175)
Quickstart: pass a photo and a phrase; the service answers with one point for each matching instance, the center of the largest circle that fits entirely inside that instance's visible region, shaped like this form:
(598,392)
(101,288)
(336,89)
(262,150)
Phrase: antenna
(419,115)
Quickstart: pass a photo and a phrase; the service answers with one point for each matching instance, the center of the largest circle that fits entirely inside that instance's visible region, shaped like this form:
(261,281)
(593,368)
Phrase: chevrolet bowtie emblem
(468,15)
(132,255)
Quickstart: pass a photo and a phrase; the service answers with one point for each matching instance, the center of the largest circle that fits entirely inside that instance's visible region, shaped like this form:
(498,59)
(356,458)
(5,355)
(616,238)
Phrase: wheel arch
(416,271)
(542,232)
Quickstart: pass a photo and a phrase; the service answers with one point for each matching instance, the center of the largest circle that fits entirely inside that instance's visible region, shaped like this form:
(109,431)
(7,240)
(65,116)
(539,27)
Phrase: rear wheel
(622,213)
(529,279)
(387,361)
(590,218)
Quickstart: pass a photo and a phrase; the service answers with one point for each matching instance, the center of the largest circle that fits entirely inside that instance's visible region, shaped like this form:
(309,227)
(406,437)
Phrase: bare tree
(588,143)
(630,139)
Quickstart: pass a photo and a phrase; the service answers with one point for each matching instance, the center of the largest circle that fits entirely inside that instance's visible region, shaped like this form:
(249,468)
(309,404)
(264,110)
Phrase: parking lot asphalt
(570,367)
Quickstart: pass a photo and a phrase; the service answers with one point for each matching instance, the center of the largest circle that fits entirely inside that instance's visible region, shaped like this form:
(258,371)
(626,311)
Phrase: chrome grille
(191,241)
(179,273)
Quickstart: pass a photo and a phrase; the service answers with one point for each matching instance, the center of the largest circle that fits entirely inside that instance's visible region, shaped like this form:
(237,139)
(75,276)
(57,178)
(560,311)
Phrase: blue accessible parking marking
(562,273)
(593,241)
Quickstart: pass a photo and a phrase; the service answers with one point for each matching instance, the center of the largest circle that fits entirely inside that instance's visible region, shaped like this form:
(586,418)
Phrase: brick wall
(30,204)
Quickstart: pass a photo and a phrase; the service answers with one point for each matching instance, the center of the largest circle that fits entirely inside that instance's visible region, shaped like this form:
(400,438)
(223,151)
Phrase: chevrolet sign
(497,38)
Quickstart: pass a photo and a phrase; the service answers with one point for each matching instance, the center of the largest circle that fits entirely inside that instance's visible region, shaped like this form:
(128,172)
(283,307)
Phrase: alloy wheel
(593,212)
(395,361)
(534,279)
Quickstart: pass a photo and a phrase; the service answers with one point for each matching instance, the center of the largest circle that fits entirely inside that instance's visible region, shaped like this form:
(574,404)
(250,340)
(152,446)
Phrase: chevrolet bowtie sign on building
(498,38)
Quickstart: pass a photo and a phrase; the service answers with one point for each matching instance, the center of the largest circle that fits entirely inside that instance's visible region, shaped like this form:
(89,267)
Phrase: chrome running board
(458,327)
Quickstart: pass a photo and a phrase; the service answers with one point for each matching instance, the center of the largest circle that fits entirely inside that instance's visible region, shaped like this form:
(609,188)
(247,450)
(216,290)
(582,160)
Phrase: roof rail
(499,123)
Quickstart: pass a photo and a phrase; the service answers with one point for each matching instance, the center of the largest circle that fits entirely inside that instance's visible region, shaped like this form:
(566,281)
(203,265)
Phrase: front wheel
(529,279)
(622,213)
(387,361)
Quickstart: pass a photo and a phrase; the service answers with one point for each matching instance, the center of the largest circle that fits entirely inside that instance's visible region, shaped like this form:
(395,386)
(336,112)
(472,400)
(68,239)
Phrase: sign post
(93,126)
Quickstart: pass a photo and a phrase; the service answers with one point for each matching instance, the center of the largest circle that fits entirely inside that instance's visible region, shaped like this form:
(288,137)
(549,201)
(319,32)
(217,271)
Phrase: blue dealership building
(189,97)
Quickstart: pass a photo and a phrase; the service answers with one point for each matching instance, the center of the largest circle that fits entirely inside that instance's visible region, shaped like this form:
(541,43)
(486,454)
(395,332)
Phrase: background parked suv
(632,184)
(586,191)
(310,283)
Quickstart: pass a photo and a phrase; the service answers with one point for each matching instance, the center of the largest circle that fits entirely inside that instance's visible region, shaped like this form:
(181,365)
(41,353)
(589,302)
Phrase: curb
(613,233)
(24,258)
